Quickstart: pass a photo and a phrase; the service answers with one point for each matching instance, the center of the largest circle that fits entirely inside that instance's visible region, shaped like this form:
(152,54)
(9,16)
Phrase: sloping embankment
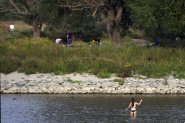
(85,83)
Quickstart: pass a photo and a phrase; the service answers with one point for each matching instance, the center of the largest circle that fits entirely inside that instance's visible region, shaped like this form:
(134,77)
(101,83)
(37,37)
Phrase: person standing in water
(132,105)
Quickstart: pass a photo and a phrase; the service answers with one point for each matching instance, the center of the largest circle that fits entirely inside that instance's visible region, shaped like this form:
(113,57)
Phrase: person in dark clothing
(69,39)
(96,40)
(157,42)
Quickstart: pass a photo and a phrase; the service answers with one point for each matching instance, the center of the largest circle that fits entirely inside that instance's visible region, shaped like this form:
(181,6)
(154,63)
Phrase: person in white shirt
(58,41)
(11,27)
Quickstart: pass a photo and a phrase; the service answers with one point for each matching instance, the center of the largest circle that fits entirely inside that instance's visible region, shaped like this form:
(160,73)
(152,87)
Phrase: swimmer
(132,105)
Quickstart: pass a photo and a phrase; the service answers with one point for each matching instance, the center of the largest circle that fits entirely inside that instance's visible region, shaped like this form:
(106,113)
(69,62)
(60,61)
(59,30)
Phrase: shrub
(104,75)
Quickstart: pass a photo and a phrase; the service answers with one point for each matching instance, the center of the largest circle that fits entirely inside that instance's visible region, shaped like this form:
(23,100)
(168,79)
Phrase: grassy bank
(30,56)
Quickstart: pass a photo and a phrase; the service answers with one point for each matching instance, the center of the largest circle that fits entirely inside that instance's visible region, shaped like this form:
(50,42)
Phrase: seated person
(157,42)
(58,40)
(96,41)
(177,39)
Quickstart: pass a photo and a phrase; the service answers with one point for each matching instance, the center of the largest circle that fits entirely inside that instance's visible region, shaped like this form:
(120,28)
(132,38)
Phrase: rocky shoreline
(88,84)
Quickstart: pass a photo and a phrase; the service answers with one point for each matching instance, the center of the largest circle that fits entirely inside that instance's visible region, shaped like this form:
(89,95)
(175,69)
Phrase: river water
(41,108)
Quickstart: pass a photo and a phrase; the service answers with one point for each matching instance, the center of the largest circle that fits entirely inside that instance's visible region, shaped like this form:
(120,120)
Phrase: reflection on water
(90,109)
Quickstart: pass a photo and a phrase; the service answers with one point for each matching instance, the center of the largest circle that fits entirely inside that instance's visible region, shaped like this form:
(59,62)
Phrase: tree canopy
(161,17)
(156,17)
(27,10)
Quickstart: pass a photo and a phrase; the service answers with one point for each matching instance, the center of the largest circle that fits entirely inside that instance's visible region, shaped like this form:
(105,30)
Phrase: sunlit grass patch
(104,75)
(120,81)
(74,81)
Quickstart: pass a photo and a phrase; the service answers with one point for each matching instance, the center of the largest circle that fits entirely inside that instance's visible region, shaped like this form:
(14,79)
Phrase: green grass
(74,81)
(104,75)
(120,81)
(28,55)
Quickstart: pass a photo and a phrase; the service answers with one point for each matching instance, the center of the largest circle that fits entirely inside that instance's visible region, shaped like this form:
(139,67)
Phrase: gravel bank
(87,84)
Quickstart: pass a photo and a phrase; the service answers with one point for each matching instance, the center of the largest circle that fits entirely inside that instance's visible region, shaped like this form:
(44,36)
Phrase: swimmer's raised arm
(140,102)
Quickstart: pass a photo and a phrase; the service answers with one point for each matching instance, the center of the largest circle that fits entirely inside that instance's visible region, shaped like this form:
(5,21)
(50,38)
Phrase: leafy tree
(112,9)
(63,19)
(27,9)
(161,17)
(52,16)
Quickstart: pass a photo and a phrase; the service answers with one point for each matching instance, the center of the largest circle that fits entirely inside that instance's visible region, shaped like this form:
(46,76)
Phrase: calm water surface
(90,109)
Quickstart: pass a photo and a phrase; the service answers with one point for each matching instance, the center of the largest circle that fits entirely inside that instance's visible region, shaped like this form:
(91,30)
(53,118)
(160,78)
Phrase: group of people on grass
(69,37)
(69,40)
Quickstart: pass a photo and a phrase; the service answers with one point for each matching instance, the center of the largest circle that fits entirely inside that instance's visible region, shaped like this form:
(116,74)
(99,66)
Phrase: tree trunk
(113,20)
(114,34)
(36,29)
